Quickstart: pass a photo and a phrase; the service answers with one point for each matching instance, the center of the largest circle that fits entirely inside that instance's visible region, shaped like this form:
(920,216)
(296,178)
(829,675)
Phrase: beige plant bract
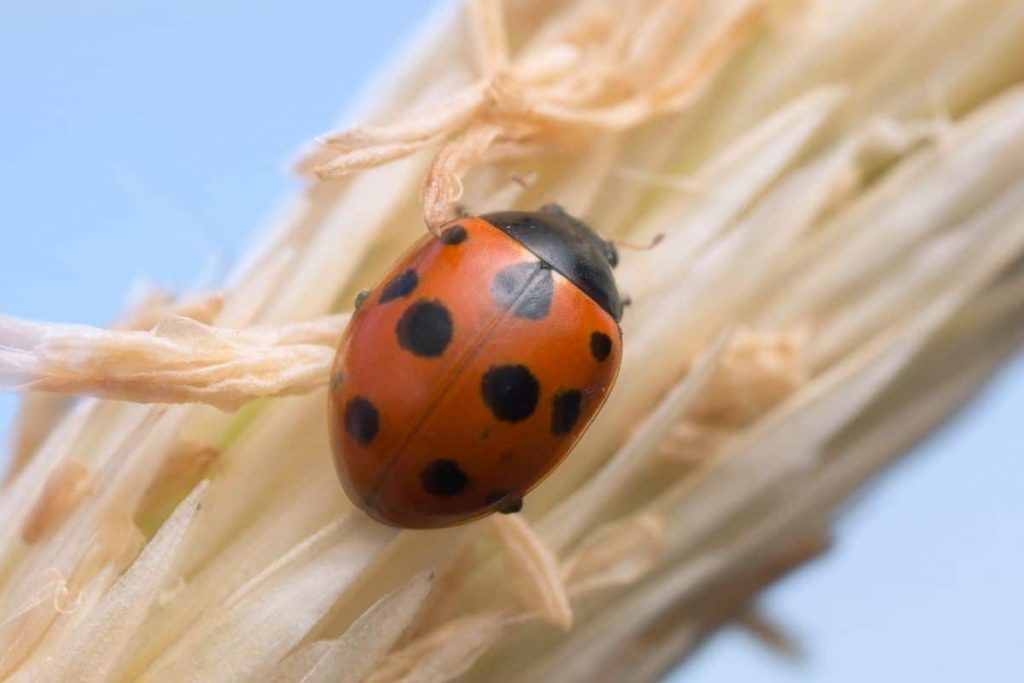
(841,189)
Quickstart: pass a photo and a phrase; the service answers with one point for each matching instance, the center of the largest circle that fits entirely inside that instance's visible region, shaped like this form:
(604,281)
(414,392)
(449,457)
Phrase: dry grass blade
(264,616)
(180,361)
(352,657)
(37,415)
(616,554)
(533,569)
(444,654)
(93,651)
(770,634)
(68,484)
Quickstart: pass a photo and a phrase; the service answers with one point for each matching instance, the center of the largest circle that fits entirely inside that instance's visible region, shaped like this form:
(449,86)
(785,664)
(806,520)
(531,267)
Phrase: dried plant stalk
(818,170)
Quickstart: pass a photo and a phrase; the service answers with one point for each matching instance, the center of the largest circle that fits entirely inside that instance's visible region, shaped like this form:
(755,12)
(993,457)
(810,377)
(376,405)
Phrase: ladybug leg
(512,507)
(460,211)
(627,301)
(361,298)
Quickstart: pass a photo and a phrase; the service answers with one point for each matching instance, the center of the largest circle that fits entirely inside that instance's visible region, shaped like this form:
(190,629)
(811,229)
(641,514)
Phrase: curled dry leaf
(443,185)
(626,73)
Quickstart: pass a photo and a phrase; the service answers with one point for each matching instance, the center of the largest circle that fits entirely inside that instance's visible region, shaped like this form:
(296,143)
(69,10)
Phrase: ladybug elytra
(467,374)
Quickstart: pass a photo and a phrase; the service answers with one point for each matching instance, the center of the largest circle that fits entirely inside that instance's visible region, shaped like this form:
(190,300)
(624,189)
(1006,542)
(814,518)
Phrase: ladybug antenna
(633,246)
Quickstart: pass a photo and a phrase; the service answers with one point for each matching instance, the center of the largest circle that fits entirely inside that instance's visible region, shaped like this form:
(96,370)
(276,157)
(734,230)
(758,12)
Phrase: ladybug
(469,372)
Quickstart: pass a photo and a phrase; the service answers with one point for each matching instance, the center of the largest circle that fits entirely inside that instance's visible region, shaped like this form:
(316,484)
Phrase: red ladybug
(470,371)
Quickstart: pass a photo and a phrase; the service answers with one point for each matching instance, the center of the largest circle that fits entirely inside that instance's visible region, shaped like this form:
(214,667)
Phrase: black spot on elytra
(454,235)
(510,281)
(443,478)
(510,391)
(528,285)
(565,411)
(361,298)
(399,286)
(535,303)
(361,420)
(600,345)
(425,328)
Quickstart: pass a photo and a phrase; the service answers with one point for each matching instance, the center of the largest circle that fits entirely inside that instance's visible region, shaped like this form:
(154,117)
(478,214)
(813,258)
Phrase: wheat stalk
(841,190)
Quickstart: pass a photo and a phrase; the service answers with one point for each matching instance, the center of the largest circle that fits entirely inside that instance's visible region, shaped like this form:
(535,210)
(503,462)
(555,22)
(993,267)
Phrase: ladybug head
(605,247)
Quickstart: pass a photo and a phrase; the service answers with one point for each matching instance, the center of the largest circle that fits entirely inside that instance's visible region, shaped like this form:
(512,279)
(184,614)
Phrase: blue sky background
(147,141)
